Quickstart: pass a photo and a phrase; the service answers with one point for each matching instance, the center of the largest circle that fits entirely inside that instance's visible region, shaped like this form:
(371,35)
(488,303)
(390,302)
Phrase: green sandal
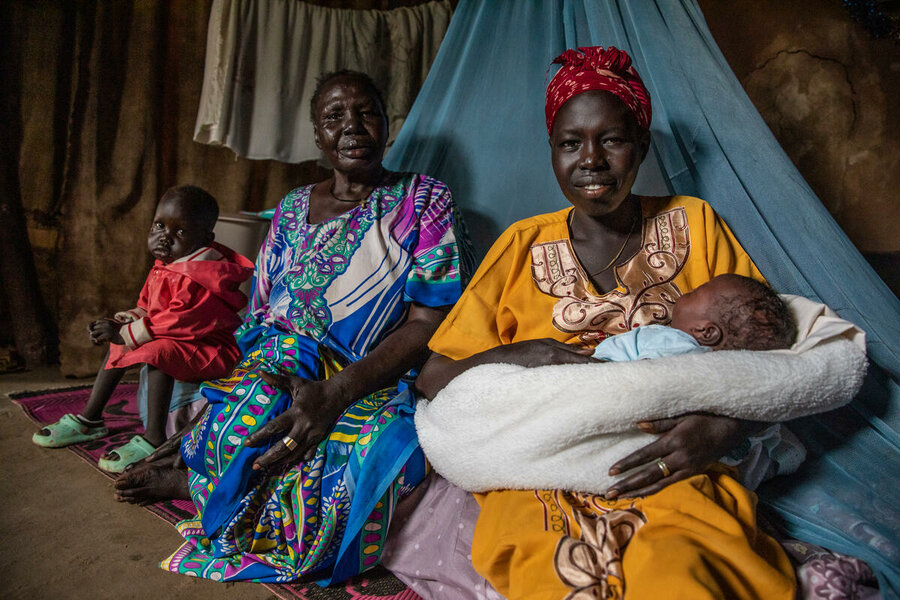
(67,431)
(136,449)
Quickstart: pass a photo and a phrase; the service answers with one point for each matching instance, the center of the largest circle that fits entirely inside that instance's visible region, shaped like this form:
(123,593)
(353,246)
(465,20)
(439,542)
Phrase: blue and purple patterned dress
(324,295)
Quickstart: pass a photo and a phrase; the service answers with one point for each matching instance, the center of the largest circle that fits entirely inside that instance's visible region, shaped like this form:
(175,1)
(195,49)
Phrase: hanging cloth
(478,124)
(263,58)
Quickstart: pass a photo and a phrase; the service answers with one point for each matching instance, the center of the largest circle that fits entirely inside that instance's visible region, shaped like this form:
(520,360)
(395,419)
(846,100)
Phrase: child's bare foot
(149,482)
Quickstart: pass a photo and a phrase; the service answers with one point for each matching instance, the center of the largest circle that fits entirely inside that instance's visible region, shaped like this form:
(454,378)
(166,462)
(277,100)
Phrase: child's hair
(197,202)
(361,77)
(753,317)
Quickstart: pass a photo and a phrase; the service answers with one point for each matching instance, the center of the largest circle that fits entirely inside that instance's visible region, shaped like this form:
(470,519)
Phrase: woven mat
(121,416)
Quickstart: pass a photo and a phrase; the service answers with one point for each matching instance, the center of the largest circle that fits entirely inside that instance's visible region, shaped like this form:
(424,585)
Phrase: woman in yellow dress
(549,289)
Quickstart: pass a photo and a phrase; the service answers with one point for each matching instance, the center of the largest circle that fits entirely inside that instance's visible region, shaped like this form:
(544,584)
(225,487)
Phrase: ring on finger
(666,471)
(290,442)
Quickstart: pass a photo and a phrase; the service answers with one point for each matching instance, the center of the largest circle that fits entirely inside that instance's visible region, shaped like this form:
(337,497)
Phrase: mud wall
(828,91)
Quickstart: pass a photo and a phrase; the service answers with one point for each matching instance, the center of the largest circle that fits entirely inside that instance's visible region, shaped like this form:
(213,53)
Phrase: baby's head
(732,312)
(184,222)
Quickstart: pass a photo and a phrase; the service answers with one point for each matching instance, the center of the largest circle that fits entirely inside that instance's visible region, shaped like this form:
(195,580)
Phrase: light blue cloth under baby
(649,341)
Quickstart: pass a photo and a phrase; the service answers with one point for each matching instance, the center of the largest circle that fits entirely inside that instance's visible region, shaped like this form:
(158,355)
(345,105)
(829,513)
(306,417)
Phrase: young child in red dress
(181,328)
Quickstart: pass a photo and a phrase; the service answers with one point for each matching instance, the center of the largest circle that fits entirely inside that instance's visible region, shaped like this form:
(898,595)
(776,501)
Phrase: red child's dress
(186,316)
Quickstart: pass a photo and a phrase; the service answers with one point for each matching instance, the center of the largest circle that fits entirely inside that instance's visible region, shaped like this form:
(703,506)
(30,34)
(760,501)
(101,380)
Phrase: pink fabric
(596,68)
(429,545)
(826,575)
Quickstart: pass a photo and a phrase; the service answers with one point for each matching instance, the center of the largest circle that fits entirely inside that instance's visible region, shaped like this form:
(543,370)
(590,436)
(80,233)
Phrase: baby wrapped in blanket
(481,437)
(729,312)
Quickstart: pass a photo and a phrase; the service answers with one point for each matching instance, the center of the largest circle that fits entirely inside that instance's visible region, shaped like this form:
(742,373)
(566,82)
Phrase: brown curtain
(104,105)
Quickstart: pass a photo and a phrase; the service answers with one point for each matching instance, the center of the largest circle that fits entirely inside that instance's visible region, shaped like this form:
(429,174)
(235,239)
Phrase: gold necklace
(621,250)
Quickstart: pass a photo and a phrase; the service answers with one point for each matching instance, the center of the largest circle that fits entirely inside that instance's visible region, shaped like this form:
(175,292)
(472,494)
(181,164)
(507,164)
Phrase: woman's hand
(315,406)
(688,445)
(440,370)
(169,449)
(105,330)
(540,353)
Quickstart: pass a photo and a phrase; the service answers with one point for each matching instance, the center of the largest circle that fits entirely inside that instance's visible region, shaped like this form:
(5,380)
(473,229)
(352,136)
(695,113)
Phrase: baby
(729,312)
(181,328)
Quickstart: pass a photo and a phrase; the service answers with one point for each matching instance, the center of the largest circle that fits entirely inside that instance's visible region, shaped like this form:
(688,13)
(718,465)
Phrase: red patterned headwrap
(594,68)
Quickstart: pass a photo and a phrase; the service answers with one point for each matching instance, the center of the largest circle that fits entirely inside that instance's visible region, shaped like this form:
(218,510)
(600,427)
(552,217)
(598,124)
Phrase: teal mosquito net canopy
(478,124)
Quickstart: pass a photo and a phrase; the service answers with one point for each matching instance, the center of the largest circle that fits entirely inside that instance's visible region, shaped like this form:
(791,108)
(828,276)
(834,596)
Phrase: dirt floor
(63,536)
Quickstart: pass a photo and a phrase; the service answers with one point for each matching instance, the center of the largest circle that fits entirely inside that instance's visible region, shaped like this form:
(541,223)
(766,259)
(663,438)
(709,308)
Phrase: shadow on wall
(887,265)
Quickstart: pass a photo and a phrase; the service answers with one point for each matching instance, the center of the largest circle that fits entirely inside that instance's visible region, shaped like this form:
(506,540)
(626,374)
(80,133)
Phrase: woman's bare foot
(151,482)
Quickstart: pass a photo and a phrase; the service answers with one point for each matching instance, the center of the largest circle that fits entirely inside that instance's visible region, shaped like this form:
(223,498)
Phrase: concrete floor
(63,536)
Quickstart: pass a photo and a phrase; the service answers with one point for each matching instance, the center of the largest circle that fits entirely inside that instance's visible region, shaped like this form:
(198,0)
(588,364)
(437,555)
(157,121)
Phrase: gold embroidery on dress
(649,291)
(555,518)
(592,564)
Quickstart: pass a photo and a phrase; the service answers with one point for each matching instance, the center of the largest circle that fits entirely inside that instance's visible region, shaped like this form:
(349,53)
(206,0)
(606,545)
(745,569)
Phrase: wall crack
(843,66)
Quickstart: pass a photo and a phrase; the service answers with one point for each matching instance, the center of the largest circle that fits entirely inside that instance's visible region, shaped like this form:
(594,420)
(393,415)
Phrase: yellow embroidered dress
(695,539)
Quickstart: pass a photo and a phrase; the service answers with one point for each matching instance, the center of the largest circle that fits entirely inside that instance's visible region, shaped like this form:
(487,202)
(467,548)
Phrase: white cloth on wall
(263,58)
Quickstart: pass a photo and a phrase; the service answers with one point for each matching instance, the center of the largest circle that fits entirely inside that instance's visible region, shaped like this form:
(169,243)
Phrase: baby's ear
(708,333)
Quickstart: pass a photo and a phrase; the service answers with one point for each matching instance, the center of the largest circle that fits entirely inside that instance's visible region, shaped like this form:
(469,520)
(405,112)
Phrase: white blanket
(502,426)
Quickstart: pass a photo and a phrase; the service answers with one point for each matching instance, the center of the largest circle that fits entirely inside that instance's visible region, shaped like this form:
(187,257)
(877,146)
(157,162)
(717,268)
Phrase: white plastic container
(242,233)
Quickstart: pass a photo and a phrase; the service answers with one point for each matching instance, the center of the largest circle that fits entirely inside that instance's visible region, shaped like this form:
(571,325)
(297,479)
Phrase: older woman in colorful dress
(297,464)
(549,289)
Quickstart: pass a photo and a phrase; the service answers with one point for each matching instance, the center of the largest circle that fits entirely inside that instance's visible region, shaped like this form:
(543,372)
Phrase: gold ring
(289,442)
(666,471)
